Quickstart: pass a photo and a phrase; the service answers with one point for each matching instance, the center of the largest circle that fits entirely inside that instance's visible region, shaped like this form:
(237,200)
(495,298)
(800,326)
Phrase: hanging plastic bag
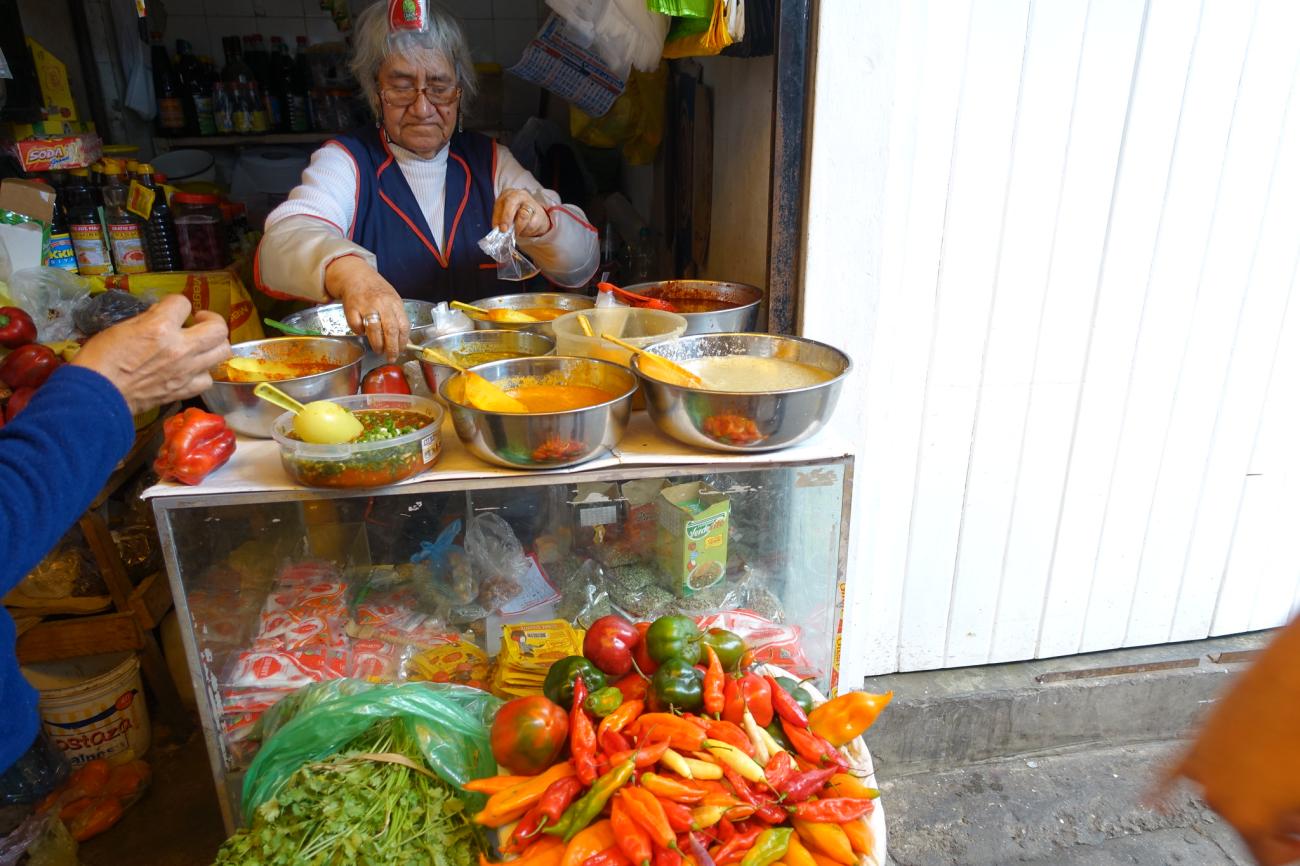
(497,558)
(705,43)
(682,8)
(625,33)
(450,722)
(446,561)
(635,122)
(511,264)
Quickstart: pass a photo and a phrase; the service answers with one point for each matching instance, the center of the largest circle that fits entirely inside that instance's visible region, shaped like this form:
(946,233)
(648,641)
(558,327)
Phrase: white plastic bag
(50,296)
(624,32)
(511,264)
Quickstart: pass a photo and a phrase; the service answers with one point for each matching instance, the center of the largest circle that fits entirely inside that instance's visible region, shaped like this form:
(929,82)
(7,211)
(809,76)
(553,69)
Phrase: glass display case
(462,579)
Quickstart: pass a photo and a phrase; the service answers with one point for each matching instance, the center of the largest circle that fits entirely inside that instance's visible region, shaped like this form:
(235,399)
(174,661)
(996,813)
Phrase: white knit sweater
(309,230)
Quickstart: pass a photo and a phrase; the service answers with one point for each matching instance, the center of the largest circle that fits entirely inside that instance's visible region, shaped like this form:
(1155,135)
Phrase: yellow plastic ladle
(497,314)
(320,422)
(669,371)
(476,391)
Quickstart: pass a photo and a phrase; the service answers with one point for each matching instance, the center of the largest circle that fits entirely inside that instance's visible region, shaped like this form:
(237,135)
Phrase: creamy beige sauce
(752,374)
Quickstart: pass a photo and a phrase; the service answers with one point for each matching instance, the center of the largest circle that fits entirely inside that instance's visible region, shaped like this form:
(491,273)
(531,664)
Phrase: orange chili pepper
(626,713)
(633,840)
(713,683)
(844,785)
(494,784)
(643,807)
(844,718)
(827,839)
(677,790)
(681,734)
(510,804)
(860,836)
(731,734)
(678,814)
(588,842)
(645,756)
(796,854)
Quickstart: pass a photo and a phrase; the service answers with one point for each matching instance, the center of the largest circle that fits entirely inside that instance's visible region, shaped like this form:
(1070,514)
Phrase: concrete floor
(177,823)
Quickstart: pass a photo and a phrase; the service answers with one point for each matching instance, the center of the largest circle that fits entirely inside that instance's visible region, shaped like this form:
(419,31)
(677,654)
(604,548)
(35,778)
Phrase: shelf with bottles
(162,143)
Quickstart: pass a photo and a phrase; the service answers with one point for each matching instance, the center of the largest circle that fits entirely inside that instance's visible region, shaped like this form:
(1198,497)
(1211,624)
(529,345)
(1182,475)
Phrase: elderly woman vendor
(396,210)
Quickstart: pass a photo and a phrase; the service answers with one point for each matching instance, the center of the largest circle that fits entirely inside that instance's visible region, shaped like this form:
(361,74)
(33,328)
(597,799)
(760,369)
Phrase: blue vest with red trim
(390,223)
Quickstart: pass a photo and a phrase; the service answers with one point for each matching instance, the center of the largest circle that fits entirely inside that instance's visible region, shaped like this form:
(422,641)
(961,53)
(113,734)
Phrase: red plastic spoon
(637,300)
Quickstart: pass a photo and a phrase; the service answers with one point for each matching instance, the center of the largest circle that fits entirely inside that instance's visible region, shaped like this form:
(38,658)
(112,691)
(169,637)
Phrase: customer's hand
(521,209)
(371,304)
(153,358)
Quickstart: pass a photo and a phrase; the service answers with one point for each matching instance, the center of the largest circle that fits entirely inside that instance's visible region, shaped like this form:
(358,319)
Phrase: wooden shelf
(167,143)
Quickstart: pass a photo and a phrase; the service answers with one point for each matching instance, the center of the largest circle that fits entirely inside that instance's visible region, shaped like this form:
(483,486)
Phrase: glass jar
(199,233)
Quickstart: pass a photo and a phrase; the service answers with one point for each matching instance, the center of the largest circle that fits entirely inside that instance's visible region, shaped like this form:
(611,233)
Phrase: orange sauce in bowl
(559,398)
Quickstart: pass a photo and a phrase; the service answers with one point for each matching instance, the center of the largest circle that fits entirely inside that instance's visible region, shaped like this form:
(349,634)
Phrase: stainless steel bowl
(525,300)
(330,321)
(253,416)
(743,316)
(739,421)
(522,342)
(546,440)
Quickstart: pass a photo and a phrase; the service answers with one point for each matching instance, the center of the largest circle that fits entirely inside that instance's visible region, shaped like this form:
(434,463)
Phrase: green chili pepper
(583,811)
(769,847)
(778,733)
(800,694)
(602,702)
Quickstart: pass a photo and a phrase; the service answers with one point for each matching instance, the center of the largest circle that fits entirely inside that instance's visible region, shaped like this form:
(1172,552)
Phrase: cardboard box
(691,543)
(22,243)
(68,151)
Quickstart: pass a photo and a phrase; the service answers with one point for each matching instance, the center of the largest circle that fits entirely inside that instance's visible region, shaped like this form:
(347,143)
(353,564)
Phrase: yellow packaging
(53,75)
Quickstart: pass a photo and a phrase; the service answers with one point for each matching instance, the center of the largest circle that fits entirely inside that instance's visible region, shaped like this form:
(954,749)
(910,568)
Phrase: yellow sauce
(544,314)
(471,356)
(753,374)
(558,398)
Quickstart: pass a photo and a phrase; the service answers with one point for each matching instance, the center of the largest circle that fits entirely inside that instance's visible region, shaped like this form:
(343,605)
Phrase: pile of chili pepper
(757,777)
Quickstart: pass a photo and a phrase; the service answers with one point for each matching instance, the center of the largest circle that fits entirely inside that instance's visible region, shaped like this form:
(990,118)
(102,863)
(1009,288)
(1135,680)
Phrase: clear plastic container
(199,233)
(363,464)
(637,326)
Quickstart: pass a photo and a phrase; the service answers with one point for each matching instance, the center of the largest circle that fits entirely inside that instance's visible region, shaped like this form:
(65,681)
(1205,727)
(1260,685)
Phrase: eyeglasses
(405,95)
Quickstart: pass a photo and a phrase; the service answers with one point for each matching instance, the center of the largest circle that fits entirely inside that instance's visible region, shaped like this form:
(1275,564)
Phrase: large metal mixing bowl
(331,322)
(742,421)
(529,300)
(546,440)
(519,342)
(742,316)
(253,416)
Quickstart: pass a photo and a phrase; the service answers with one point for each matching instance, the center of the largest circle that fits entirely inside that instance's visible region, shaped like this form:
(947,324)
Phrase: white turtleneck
(309,230)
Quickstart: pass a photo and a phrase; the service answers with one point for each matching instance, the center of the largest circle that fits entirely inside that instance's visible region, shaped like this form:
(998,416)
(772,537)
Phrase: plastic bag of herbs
(367,773)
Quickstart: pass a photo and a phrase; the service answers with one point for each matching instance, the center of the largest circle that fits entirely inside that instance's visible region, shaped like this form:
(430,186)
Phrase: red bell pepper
(751,691)
(28,366)
(387,379)
(16,328)
(194,444)
(18,402)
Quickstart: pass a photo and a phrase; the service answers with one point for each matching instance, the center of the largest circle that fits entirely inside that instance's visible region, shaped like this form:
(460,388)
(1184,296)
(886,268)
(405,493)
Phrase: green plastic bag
(451,723)
(682,8)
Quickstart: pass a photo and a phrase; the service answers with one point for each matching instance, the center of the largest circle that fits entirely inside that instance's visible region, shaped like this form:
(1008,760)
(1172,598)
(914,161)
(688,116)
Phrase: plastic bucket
(93,706)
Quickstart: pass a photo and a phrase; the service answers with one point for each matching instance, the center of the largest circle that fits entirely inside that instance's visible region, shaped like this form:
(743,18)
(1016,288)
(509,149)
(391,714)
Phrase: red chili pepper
(726,829)
(713,683)
(582,736)
(611,856)
(28,366)
(385,379)
(667,857)
(645,756)
(731,735)
(555,799)
(734,849)
(18,402)
(785,705)
(16,328)
(633,841)
(194,444)
(750,691)
(612,742)
(779,768)
(836,810)
(765,809)
(678,814)
(813,748)
(804,785)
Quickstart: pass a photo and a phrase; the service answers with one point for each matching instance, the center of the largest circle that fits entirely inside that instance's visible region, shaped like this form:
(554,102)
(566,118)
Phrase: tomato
(388,379)
(528,734)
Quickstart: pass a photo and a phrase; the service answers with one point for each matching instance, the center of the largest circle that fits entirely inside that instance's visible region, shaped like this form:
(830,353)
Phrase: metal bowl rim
(638,287)
(485,333)
(277,382)
(627,395)
(848,364)
(293,318)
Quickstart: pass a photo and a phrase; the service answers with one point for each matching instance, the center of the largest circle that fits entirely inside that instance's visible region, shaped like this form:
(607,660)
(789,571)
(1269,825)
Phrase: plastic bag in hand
(511,264)
(105,310)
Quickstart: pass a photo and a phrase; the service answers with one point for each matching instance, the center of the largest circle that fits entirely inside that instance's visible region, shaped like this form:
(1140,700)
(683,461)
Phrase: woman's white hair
(372,44)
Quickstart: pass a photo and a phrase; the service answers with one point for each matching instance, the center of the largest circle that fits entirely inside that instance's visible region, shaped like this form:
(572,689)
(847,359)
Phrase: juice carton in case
(691,542)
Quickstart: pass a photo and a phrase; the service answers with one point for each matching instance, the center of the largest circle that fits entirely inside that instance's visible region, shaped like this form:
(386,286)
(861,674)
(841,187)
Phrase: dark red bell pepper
(16,328)
(194,444)
(18,402)
(388,379)
(28,366)
(750,691)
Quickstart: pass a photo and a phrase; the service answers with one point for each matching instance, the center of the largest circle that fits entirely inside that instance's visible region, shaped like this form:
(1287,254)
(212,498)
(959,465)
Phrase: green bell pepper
(558,685)
(677,685)
(800,695)
(728,645)
(673,637)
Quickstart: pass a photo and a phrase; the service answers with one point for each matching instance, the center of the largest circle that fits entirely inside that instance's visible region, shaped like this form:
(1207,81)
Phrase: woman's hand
(371,304)
(519,208)
(153,358)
